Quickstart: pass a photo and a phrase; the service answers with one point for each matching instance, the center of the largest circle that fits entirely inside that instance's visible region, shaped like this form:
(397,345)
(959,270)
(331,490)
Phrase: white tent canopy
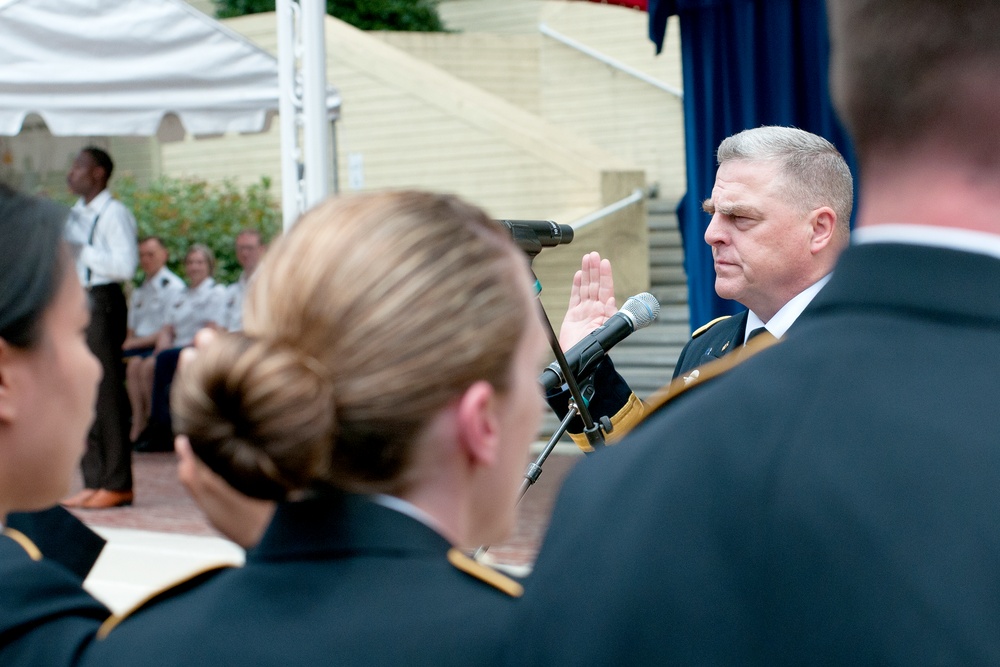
(131,67)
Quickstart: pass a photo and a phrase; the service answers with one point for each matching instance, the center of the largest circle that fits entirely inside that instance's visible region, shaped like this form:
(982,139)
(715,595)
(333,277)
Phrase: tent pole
(289,104)
(315,115)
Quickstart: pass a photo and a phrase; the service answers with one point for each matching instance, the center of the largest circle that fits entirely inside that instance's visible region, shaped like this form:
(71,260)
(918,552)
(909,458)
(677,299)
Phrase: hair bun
(259,414)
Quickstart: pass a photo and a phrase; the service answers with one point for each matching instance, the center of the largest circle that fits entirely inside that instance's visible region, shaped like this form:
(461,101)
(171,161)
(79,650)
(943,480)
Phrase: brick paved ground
(162,505)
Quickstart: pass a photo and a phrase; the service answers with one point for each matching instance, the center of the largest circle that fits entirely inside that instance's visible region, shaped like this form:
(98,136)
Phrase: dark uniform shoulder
(22,540)
(189,582)
(485,574)
(705,327)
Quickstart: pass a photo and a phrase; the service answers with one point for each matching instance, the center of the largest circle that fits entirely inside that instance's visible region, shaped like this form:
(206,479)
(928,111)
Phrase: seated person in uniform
(201,305)
(48,387)
(249,251)
(781,210)
(147,313)
(386,401)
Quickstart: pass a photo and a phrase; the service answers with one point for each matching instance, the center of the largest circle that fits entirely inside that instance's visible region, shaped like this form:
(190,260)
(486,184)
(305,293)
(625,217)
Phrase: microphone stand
(595,437)
(577,406)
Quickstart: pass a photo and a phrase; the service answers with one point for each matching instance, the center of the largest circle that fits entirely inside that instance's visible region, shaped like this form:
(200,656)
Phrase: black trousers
(107,463)
(163,380)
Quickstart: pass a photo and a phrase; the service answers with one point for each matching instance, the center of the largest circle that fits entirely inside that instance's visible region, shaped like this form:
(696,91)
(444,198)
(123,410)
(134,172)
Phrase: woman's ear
(8,404)
(478,427)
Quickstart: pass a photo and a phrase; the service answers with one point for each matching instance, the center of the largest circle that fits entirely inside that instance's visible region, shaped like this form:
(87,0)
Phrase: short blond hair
(362,323)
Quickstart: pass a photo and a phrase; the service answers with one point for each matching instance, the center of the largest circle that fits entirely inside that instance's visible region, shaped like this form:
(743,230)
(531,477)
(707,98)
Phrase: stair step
(674,314)
(670,294)
(666,256)
(661,207)
(664,238)
(668,276)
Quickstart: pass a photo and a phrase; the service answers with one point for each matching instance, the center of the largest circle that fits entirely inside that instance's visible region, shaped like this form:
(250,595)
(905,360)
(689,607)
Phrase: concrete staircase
(646,359)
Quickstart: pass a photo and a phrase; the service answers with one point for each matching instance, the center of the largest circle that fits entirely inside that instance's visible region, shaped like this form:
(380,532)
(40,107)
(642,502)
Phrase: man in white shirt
(249,251)
(780,210)
(102,234)
(146,316)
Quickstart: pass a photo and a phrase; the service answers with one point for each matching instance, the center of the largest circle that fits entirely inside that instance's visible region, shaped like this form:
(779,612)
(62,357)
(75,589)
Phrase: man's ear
(478,427)
(824,223)
(8,406)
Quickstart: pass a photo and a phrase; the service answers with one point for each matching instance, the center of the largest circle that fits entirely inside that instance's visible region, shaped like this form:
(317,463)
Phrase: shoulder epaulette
(33,551)
(705,327)
(187,583)
(703,374)
(486,574)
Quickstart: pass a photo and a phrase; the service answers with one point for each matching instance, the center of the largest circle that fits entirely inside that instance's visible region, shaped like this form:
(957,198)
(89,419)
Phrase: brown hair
(904,72)
(362,323)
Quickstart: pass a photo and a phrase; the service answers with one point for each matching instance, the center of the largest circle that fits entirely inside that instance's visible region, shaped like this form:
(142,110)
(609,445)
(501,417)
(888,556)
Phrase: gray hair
(816,173)
(205,252)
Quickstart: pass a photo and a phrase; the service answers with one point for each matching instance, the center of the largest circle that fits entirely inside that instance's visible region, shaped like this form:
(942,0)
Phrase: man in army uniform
(780,211)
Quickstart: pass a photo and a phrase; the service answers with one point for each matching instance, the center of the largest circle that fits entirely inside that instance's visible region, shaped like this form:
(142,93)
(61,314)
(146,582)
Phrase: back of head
(362,323)
(815,172)
(32,259)
(908,73)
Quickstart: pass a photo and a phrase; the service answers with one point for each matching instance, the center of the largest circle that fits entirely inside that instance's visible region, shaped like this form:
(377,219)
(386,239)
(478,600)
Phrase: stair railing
(637,196)
(609,61)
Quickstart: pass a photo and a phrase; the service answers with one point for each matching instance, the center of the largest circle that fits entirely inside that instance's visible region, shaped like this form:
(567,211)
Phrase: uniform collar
(205,284)
(786,316)
(337,523)
(937,283)
(966,240)
(97,203)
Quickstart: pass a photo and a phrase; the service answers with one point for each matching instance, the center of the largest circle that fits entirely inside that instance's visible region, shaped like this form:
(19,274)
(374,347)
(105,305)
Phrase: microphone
(638,312)
(533,235)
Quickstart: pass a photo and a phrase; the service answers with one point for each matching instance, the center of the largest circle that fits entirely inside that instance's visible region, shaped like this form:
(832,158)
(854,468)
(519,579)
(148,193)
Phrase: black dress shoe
(155,438)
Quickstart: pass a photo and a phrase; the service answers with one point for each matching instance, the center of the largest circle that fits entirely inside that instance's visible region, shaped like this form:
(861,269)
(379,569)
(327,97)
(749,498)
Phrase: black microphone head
(641,310)
(545,232)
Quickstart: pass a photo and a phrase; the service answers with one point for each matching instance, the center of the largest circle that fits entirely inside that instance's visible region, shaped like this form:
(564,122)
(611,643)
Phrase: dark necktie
(765,338)
(757,332)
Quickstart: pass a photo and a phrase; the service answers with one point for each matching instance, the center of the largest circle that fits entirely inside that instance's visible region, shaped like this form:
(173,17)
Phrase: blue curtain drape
(746,63)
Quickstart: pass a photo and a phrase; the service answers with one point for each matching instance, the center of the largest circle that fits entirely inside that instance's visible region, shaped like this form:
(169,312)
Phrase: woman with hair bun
(384,393)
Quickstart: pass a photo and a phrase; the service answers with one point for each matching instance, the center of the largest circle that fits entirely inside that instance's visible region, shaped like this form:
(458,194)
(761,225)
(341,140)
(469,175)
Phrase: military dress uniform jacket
(614,398)
(848,514)
(61,537)
(338,580)
(46,618)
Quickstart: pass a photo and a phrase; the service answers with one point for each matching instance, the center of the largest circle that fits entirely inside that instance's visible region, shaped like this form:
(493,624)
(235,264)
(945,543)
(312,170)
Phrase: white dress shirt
(103,236)
(786,316)
(196,308)
(234,303)
(410,510)
(147,310)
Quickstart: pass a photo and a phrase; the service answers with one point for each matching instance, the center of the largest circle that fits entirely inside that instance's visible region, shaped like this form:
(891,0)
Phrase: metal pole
(316,123)
(288,106)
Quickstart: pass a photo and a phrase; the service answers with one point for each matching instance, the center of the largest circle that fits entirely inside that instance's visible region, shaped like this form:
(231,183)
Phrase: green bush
(405,15)
(186,211)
